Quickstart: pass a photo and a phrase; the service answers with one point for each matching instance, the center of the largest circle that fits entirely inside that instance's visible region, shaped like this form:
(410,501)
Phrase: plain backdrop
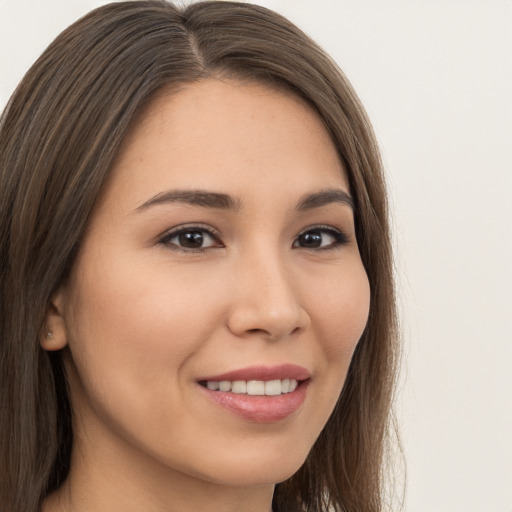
(436,79)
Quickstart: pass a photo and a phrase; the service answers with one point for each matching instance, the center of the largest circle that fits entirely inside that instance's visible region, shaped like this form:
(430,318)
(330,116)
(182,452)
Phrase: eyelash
(166,239)
(339,237)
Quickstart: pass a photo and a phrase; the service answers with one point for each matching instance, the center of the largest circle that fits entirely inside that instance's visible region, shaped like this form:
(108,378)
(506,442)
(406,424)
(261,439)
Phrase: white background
(436,79)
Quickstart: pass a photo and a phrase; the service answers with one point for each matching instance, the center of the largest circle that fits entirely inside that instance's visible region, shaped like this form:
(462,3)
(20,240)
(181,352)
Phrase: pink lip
(282,371)
(257,408)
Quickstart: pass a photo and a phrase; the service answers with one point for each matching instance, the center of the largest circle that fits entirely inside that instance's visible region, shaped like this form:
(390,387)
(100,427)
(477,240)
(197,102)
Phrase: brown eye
(310,239)
(191,238)
(320,238)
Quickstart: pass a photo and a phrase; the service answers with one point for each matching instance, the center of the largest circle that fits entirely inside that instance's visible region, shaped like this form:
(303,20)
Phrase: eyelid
(319,227)
(164,238)
(340,236)
(344,238)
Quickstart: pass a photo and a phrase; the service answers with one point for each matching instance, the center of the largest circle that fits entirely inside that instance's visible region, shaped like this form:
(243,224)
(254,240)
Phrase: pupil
(191,239)
(311,239)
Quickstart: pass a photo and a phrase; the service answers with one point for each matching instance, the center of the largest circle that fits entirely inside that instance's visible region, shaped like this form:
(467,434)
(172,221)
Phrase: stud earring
(49,335)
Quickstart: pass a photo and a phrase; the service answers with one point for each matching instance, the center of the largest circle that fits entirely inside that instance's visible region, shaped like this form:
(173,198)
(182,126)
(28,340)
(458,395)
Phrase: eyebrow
(324,197)
(226,202)
(193,197)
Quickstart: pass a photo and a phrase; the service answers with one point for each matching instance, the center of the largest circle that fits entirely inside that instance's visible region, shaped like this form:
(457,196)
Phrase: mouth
(259,393)
(253,387)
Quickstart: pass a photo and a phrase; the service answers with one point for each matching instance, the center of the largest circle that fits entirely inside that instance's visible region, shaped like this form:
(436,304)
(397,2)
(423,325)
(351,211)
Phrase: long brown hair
(59,136)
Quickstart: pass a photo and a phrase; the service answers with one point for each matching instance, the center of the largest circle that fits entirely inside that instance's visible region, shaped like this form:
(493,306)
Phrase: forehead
(215,133)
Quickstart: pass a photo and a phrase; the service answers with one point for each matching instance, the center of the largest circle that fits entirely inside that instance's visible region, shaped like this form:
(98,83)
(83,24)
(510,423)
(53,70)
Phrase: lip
(258,408)
(262,372)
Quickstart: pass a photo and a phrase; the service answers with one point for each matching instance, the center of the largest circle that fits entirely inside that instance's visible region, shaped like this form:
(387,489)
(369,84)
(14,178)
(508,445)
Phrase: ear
(54,335)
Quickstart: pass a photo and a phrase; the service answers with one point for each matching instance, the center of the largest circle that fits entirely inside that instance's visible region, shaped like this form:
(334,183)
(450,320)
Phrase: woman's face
(222,254)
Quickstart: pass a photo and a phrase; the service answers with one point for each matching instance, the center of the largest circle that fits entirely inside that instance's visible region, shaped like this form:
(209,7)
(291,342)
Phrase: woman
(196,295)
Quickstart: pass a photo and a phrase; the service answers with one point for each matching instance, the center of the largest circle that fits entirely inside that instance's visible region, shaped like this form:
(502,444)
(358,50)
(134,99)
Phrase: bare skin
(224,239)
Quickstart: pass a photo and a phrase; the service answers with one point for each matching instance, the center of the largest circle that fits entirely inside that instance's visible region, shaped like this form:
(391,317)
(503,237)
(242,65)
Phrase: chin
(256,469)
(254,477)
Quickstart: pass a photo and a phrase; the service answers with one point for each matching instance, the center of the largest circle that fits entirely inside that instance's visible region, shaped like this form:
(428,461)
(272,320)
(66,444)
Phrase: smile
(261,394)
(253,387)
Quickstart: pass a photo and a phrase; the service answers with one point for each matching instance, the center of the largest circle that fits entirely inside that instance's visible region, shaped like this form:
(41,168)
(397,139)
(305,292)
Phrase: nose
(265,300)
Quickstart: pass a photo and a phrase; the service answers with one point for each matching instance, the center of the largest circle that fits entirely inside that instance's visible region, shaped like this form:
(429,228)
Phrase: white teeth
(273,387)
(224,385)
(239,386)
(254,387)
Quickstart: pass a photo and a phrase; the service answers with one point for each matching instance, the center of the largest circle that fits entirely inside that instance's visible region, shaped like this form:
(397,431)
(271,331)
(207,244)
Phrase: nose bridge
(266,298)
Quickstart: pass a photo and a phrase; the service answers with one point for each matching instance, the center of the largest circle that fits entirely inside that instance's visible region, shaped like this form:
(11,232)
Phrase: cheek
(139,318)
(341,314)
(132,331)
(338,319)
